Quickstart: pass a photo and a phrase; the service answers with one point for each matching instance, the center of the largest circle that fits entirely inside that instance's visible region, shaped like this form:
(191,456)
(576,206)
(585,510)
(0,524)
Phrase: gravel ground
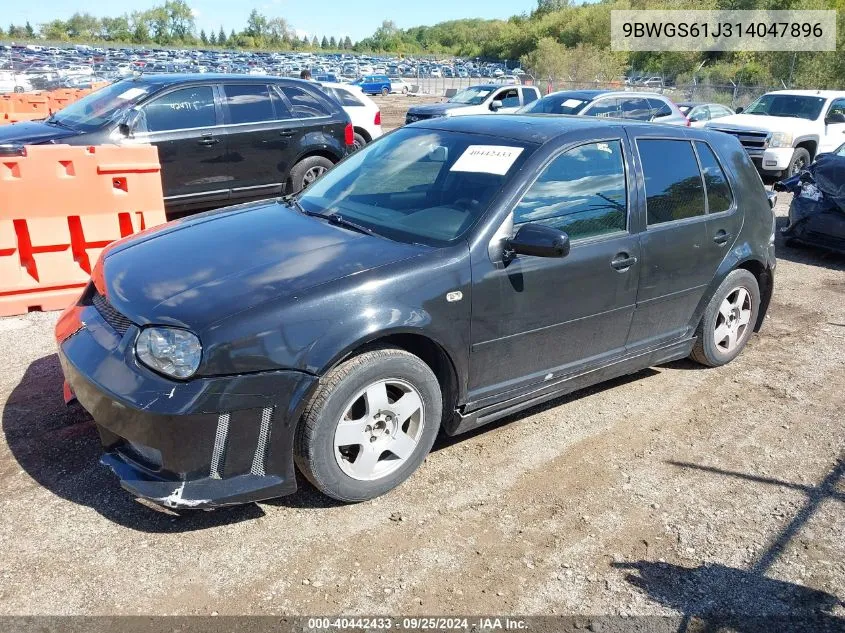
(673,491)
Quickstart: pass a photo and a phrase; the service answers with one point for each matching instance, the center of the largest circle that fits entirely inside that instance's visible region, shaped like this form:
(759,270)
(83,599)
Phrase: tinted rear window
(304,104)
(719,196)
(672,180)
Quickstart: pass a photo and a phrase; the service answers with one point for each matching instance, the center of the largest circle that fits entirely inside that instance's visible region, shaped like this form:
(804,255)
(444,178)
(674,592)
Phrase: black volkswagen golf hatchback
(449,274)
(220,138)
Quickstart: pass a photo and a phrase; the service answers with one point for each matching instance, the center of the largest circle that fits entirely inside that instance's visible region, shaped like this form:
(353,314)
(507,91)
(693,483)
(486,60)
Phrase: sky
(355,18)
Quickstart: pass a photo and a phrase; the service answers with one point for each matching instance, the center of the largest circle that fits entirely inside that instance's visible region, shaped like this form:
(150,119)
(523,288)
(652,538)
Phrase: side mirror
(835,117)
(127,125)
(495,105)
(739,110)
(537,240)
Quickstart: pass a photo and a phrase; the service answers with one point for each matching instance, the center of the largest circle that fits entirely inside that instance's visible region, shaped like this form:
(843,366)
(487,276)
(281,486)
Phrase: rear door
(529,95)
(259,140)
(184,124)
(678,255)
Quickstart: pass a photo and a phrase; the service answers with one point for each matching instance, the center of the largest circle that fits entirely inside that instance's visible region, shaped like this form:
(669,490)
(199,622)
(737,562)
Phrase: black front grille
(111,316)
(750,139)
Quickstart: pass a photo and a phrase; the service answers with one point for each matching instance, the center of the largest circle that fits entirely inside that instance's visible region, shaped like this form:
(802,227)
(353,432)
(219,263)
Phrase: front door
(184,125)
(537,319)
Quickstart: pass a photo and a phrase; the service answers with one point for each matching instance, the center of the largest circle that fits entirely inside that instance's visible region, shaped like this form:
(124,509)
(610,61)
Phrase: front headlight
(169,351)
(781,139)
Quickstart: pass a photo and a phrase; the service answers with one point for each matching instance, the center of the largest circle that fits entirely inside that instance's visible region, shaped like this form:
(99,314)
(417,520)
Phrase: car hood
(194,273)
(759,122)
(433,109)
(33,133)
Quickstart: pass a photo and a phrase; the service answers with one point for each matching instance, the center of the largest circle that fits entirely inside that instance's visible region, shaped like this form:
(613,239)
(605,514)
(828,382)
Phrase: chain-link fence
(731,95)
(440,86)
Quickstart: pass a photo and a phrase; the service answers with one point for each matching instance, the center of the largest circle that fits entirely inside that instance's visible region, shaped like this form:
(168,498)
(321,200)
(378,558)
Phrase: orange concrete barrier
(60,206)
(17,117)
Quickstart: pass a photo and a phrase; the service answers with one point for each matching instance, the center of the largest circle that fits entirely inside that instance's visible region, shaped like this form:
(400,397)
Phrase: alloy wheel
(379,430)
(733,320)
(312,174)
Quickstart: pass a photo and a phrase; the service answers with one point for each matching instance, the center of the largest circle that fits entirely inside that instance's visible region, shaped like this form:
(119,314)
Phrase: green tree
(28,30)
(233,39)
(115,29)
(55,31)
(278,32)
(314,42)
(204,37)
(221,37)
(332,43)
(324,43)
(212,39)
(347,43)
(256,24)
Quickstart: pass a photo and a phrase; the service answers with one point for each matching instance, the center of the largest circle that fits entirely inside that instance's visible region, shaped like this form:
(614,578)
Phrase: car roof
(168,79)
(532,128)
(809,93)
(586,95)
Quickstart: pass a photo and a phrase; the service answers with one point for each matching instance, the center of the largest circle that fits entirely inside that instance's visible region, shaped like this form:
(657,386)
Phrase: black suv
(220,138)
(449,274)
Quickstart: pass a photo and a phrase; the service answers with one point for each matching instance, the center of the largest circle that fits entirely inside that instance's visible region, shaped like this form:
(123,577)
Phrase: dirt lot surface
(675,490)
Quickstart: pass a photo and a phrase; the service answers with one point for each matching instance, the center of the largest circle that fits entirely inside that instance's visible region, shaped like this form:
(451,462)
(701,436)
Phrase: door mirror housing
(537,240)
(495,105)
(739,110)
(127,125)
(835,117)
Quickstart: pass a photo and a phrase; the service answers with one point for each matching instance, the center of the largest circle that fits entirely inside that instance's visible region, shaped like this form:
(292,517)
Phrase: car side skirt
(463,422)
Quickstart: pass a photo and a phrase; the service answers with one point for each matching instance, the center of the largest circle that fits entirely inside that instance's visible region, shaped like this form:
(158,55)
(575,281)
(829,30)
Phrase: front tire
(800,161)
(370,425)
(728,320)
(307,171)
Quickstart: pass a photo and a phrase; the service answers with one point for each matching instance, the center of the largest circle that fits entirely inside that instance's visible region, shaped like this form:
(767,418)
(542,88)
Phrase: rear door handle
(623,262)
(207,139)
(721,237)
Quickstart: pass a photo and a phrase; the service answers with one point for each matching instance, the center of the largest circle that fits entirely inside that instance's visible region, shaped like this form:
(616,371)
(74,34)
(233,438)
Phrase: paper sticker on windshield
(131,93)
(487,159)
(571,103)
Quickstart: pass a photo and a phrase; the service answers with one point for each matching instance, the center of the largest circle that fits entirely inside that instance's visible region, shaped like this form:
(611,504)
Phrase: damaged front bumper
(202,443)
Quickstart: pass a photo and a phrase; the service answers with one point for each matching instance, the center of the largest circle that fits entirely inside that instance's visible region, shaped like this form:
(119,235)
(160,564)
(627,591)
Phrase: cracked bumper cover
(203,443)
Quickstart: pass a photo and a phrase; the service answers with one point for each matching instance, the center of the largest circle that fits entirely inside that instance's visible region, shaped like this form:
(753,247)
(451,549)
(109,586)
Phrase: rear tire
(728,320)
(307,171)
(359,141)
(370,424)
(385,91)
(800,161)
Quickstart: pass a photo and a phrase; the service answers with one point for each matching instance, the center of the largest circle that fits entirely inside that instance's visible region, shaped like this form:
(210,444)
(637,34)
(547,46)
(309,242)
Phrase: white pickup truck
(783,131)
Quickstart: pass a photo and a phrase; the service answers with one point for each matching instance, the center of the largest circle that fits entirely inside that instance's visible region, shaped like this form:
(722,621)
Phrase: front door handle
(623,262)
(721,238)
(287,132)
(208,140)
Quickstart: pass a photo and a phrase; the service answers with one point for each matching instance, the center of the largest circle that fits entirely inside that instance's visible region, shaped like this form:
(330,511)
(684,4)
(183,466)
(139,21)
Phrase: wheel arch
(810,144)
(765,281)
(363,132)
(432,352)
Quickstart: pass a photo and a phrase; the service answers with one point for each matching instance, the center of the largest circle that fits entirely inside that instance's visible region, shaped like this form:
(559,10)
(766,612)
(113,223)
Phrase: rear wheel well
(363,132)
(431,354)
(764,281)
(318,152)
(810,146)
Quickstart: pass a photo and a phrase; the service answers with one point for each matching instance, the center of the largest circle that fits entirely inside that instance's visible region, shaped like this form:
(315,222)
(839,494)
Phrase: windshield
(418,185)
(558,103)
(471,96)
(100,107)
(798,106)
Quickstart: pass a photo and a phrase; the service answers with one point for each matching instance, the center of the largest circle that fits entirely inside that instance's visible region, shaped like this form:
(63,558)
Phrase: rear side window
(344,97)
(672,181)
(304,104)
(581,192)
(178,110)
(528,96)
(659,108)
(249,103)
(718,191)
(636,109)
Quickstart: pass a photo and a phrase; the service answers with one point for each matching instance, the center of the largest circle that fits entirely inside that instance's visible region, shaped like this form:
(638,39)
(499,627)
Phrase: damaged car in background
(817,211)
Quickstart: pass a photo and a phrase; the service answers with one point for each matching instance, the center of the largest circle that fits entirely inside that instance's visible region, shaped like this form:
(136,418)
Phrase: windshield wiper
(53,121)
(331,218)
